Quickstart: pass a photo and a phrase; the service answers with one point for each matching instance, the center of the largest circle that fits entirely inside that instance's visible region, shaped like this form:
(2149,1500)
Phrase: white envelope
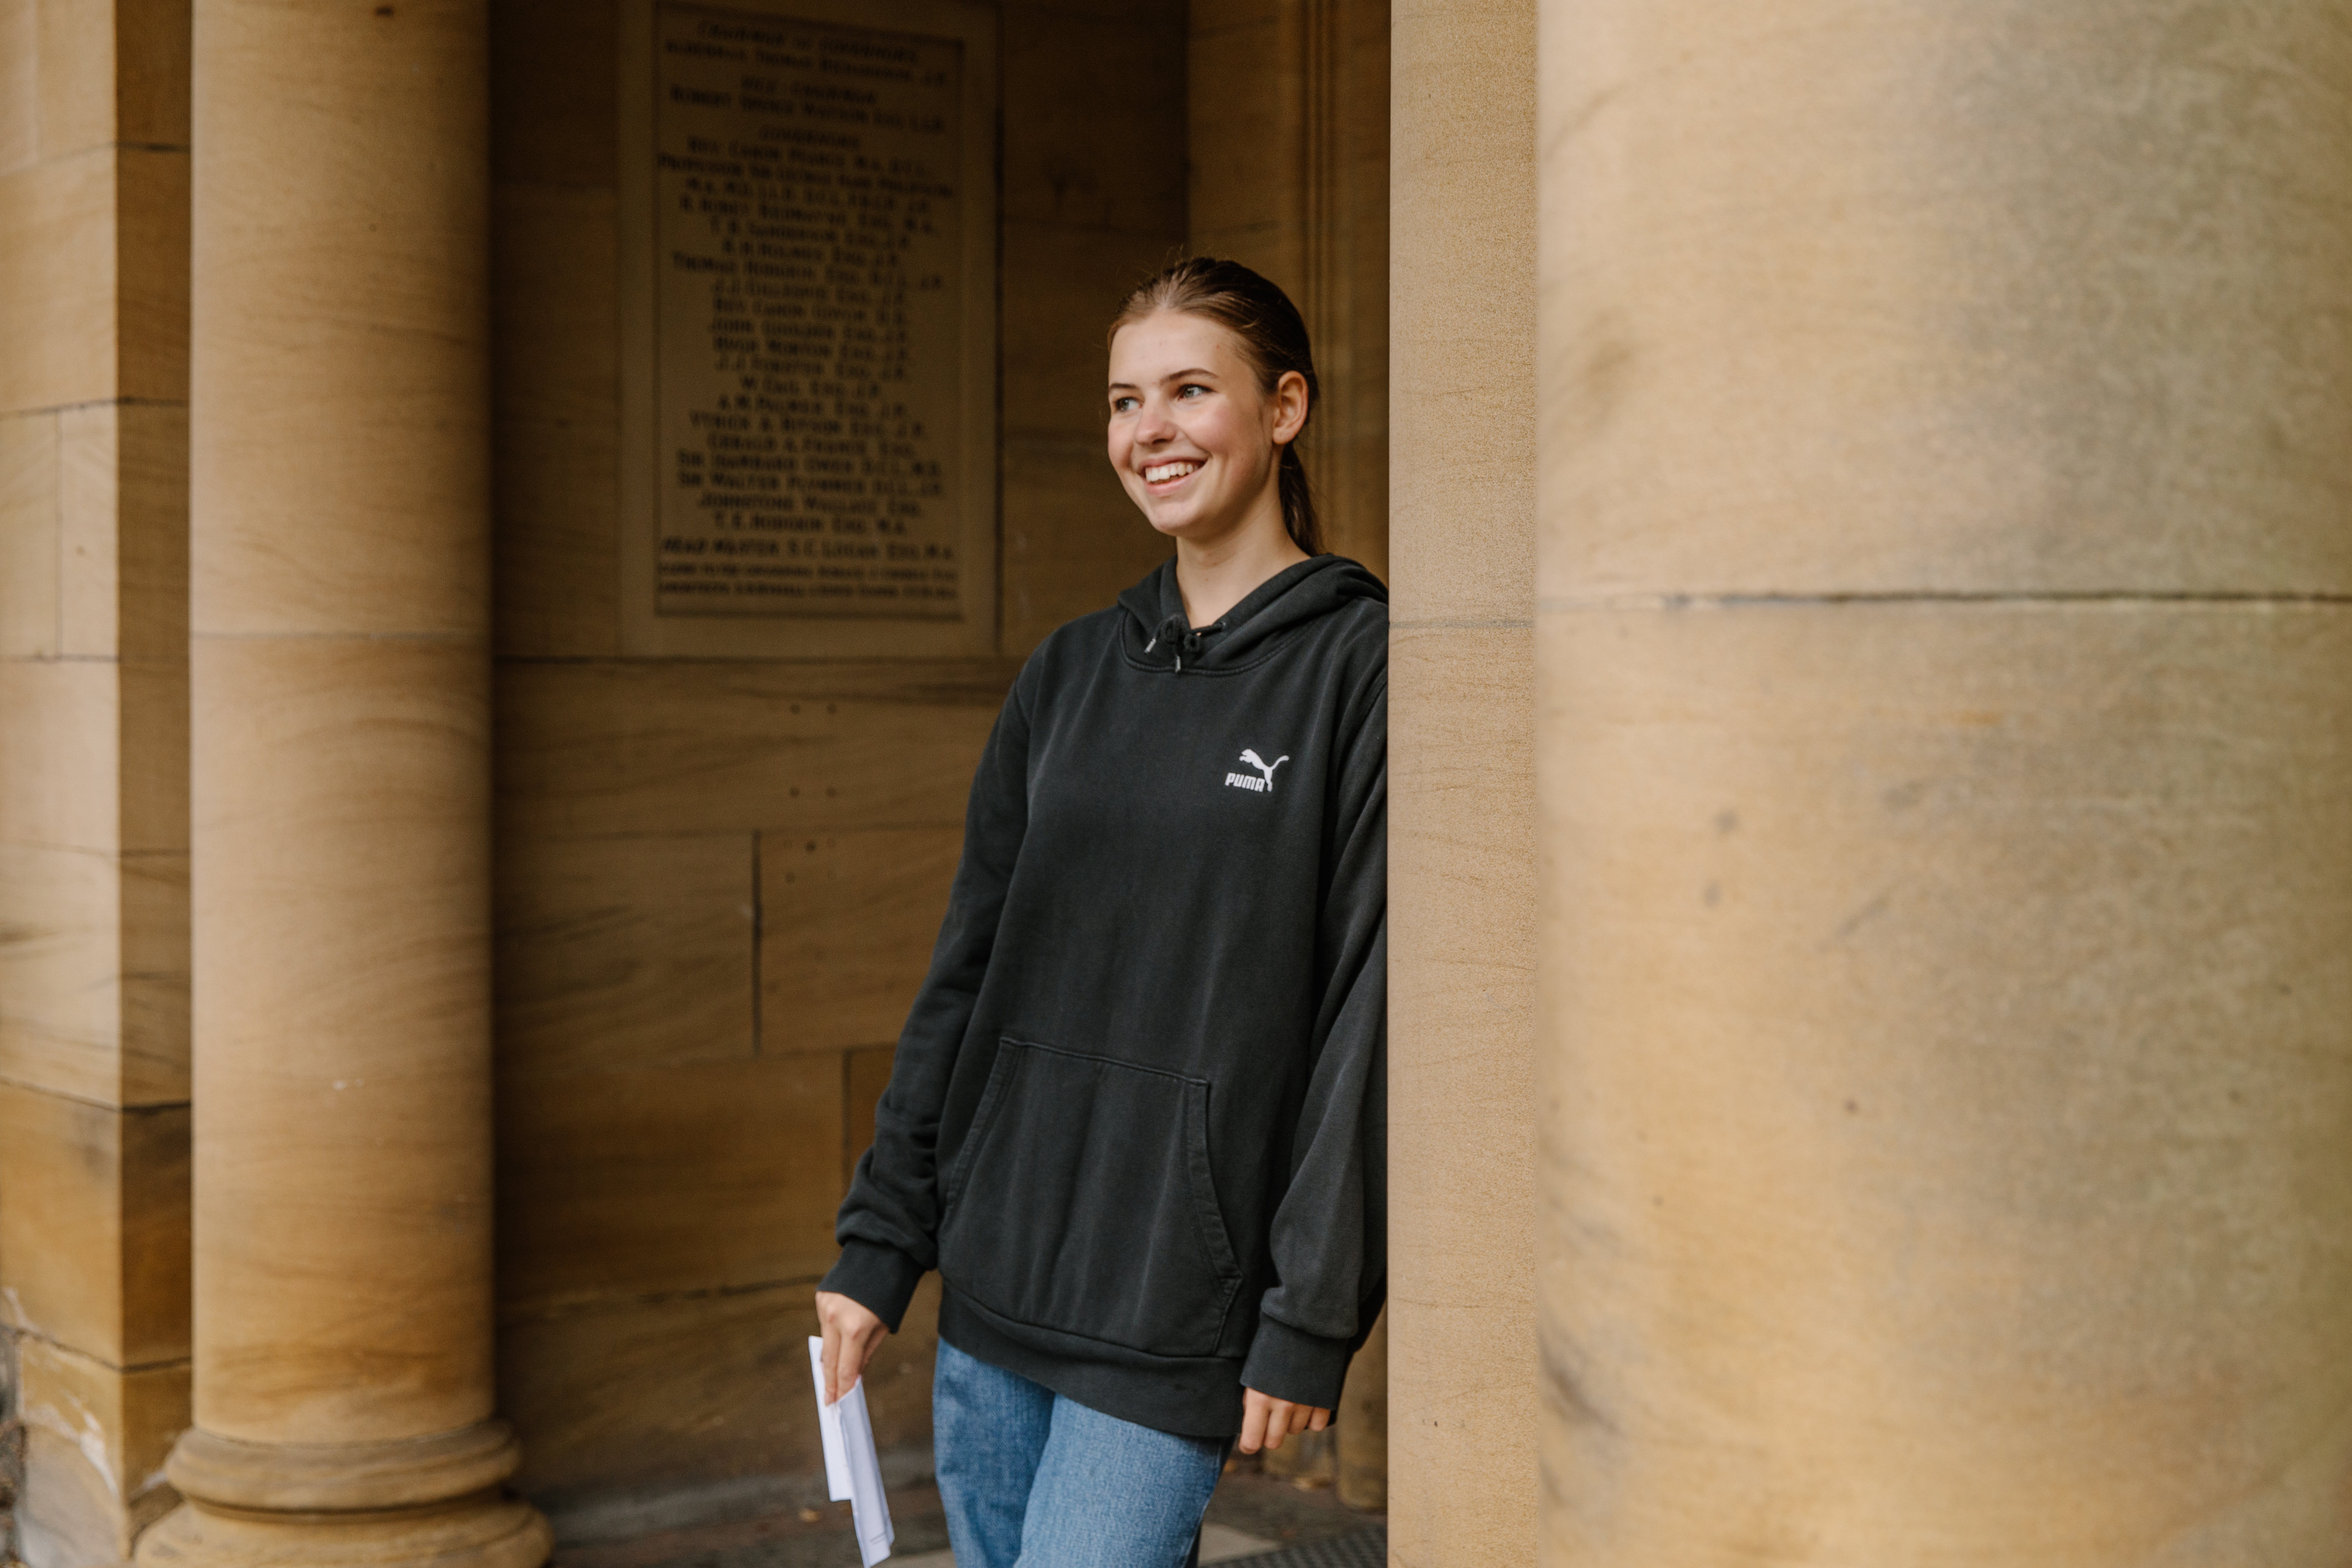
(853,1471)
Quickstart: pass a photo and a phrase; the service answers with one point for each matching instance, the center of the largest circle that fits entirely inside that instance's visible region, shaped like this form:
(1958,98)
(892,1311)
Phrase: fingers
(857,1348)
(1267,1421)
(1281,1421)
(832,1361)
(1255,1408)
(852,1333)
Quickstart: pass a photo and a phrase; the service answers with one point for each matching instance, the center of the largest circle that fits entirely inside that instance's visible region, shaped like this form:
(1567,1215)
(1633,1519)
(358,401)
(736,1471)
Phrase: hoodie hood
(1158,635)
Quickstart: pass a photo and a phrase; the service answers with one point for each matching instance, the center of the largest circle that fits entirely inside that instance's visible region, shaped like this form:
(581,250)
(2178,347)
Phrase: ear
(1288,406)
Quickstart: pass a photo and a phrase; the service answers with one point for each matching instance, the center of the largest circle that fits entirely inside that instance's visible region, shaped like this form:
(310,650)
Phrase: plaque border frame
(645,633)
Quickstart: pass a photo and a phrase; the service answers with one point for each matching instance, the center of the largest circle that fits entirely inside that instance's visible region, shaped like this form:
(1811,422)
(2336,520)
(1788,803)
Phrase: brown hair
(1273,339)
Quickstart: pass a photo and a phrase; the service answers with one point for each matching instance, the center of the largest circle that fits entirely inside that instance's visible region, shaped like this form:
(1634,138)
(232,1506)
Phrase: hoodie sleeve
(1329,1233)
(888,1225)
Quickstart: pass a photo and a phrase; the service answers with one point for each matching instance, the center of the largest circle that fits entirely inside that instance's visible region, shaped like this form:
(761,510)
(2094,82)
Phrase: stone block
(60,971)
(152,533)
(156,1217)
(848,921)
(58,282)
(597,748)
(20,83)
(98,1439)
(123,514)
(94,975)
(704,1176)
(1945,1020)
(89,506)
(152,76)
(554,96)
(82,1187)
(74,44)
(691,1390)
(555,347)
(153,216)
(1958,315)
(623,953)
(155,978)
(154,749)
(59,772)
(1063,82)
(1072,540)
(67,1517)
(30,535)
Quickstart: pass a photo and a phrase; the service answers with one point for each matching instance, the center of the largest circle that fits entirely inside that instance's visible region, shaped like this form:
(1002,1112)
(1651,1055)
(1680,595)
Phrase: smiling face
(1195,440)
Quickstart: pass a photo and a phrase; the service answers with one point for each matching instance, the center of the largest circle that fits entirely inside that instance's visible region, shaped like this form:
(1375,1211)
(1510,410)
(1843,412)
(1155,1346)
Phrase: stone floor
(1253,1518)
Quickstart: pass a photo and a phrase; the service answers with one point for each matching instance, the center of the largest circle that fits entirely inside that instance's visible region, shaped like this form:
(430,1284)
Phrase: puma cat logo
(1262,785)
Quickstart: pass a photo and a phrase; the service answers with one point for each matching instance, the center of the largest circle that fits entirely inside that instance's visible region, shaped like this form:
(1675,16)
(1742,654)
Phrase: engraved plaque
(815,442)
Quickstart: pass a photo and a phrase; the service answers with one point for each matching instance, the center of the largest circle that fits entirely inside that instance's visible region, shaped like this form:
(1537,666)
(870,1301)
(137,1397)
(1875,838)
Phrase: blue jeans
(1031,1480)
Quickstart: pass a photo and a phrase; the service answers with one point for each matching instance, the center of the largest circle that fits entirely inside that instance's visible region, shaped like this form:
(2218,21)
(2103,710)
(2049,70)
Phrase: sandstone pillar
(341,797)
(1946,861)
(1461,1357)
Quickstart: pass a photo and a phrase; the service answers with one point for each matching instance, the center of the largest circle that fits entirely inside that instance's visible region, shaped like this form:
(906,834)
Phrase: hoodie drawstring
(1176,629)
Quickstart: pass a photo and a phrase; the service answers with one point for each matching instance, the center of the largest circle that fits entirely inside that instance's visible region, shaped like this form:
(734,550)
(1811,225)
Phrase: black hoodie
(1138,1114)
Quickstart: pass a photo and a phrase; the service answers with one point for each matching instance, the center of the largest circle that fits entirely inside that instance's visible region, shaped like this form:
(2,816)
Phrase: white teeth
(1158,471)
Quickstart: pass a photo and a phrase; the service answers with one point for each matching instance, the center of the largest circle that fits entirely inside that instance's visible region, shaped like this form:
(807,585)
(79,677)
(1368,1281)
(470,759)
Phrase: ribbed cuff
(882,1280)
(1290,1364)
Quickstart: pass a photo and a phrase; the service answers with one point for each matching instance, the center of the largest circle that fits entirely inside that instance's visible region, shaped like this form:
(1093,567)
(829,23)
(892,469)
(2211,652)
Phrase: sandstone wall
(93,761)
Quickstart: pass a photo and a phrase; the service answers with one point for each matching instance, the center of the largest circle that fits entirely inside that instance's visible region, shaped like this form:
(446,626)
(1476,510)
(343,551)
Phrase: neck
(1215,574)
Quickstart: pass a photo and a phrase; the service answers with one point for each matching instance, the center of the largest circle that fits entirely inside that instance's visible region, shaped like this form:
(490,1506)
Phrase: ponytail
(1298,502)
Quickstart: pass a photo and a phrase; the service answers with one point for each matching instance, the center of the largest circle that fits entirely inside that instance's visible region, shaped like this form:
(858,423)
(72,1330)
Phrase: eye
(1123,404)
(1191,388)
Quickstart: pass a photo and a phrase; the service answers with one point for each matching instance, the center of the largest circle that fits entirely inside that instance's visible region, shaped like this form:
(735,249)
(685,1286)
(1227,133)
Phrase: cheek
(1214,431)
(1240,444)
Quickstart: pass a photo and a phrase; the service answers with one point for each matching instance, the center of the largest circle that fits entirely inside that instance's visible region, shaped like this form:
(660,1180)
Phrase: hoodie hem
(1192,1396)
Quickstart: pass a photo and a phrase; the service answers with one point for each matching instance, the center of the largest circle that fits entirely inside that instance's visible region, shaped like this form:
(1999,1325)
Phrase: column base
(424,1502)
(486,1531)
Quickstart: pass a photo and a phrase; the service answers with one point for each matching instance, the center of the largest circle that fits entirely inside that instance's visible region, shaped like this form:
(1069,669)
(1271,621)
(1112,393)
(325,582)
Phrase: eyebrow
(1197,372)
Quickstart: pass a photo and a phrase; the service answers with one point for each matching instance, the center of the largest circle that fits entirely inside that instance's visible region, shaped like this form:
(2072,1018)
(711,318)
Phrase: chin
(1178,527)
(1171,523)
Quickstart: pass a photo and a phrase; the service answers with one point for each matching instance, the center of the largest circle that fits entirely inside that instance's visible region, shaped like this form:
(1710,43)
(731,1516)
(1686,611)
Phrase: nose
(1153,425)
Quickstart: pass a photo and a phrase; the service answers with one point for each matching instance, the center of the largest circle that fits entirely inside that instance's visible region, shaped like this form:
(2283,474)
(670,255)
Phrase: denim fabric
(1031,1480)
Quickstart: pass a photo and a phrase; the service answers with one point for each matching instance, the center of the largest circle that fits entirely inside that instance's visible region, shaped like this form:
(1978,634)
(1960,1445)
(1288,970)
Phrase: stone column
(1944,728)
(1462,1178)
(341,797)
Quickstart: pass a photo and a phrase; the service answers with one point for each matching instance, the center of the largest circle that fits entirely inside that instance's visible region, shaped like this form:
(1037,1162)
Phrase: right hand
(852,1335)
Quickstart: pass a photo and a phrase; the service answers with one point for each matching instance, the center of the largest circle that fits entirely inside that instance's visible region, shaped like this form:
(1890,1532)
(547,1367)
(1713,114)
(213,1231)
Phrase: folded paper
(853,1470)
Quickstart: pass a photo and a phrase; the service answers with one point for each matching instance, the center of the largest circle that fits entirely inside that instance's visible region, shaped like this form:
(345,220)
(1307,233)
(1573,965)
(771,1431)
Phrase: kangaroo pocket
(1082,1202)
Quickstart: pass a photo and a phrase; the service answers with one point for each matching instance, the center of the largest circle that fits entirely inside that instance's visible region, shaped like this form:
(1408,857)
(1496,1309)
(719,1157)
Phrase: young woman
(1137,1116)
